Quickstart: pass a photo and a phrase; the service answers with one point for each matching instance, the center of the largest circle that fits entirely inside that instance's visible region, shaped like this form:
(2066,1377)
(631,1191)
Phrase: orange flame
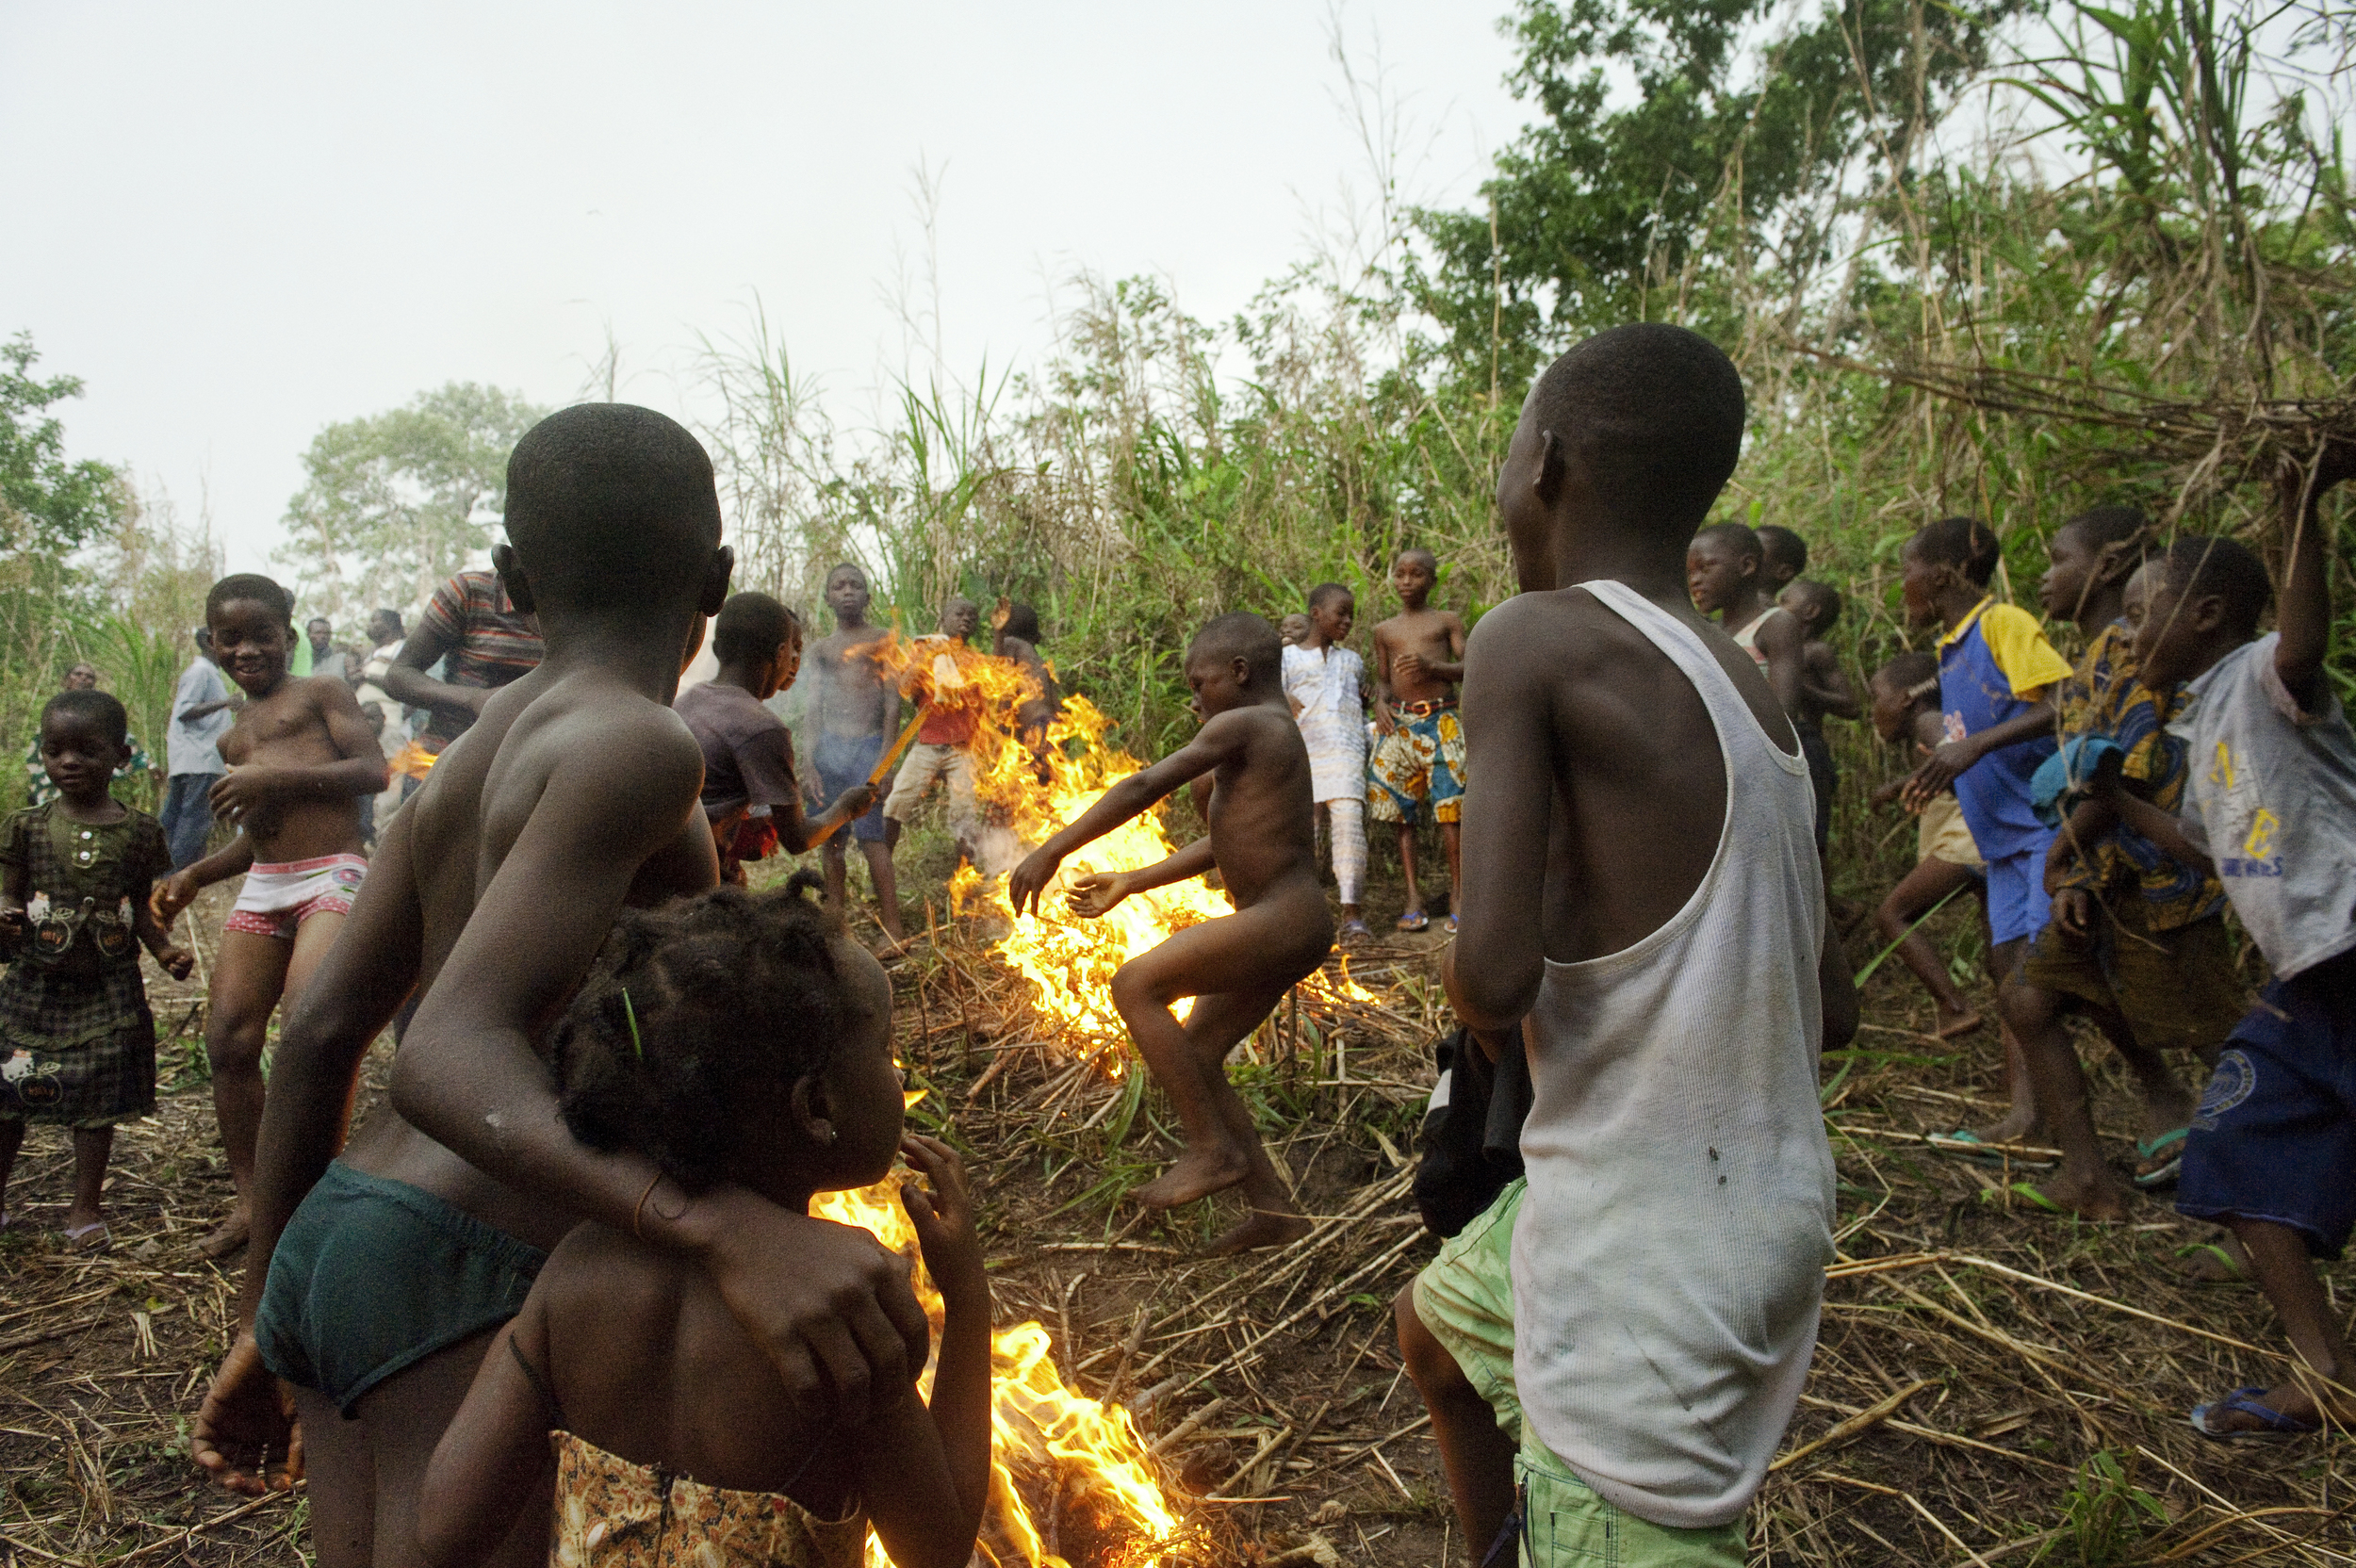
(412,759)
(1039,1425)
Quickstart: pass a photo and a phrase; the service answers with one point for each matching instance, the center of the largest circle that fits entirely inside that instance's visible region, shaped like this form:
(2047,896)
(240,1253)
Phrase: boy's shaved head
(1240,635)
(250,587)
(2198,565)
(1653,412)
(1738,539)
(1415,552)
(608,502)
(1967,543)
(1784,551)
(752,627)
(1325,593)
(2105,525)
(1821,601)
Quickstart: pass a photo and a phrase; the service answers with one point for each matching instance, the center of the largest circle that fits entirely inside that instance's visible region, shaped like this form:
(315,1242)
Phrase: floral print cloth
(611,1513)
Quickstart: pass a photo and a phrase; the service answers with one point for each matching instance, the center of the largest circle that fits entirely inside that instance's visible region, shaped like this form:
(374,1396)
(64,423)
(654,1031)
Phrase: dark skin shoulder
(1824,685)
(300,756)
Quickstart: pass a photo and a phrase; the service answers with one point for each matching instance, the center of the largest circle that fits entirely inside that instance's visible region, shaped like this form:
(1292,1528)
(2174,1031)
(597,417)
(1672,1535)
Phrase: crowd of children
(561,1297)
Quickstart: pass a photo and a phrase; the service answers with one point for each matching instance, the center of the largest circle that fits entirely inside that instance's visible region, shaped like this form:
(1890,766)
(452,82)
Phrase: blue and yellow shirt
(1995,665)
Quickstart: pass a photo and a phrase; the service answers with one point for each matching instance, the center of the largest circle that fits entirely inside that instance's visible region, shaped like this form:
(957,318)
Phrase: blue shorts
(2016,906)
(2275,1136)
(844,761)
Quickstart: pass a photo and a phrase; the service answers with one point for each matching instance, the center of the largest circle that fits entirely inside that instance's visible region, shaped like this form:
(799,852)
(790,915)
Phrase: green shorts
(1465,1298)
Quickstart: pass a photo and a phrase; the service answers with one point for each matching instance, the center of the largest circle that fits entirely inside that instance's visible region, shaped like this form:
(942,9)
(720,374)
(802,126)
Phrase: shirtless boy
(300,756)
(857,714)
(1626,1333)
(1725,572)
(573,795)
(1418,760)
(1238,966)
(1015,634)
(1824,691)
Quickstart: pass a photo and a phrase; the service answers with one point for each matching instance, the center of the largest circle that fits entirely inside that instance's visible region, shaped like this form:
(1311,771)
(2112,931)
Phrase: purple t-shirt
(749,754)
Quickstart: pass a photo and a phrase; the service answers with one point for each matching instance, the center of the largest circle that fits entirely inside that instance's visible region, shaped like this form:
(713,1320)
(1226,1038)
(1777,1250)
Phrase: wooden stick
(891,759)
(1854,1425)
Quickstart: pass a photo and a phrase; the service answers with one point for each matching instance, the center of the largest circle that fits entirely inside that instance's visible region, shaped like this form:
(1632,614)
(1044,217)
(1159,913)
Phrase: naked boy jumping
(1238,968)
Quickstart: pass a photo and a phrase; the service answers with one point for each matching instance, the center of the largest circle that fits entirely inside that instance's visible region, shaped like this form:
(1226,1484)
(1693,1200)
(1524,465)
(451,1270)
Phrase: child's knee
(233,1044)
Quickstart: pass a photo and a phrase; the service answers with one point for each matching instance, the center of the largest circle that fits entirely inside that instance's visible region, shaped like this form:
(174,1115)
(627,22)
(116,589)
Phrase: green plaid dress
(77,1044)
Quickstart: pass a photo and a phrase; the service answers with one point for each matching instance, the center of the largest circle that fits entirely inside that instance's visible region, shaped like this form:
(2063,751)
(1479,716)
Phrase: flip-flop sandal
(2278,1427)
(1451,926)
(89,1238)
(2148,1150)
(1965,1145)
(1415,922)
(1355,930)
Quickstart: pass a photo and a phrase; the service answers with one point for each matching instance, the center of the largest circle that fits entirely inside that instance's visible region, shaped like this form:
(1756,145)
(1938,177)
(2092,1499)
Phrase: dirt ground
(1993,1384)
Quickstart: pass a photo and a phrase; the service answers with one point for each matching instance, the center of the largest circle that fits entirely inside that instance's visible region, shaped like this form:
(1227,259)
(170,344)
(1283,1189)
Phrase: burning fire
(1026,796)
(1102,1481)
(412,759)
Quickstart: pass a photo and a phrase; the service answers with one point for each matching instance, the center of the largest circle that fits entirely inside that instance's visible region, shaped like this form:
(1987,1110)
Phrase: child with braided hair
(742,1038)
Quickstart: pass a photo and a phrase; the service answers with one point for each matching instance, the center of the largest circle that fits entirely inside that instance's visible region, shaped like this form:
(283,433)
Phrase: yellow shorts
(1941,834)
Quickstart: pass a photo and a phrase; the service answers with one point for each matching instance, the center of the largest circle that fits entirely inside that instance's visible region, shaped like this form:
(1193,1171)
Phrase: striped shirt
(490,642)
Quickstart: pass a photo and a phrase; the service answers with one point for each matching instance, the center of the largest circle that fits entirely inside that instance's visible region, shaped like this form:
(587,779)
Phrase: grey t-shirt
(2270,793)
(748,757)
(192,746)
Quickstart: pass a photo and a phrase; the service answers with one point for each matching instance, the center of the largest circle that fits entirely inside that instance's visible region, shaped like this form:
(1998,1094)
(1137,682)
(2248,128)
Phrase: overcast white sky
(238,223)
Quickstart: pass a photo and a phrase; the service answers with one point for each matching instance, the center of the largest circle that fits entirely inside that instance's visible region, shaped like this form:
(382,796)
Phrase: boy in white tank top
(1611,1354)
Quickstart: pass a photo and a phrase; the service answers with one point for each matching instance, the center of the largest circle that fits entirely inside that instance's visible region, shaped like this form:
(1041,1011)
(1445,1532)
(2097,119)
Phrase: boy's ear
(1547,484)
(715,586)
(810,1111)
(511,578)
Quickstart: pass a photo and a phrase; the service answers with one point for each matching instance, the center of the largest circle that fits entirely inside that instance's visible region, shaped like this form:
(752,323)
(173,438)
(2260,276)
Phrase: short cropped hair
(1655,411)
(391,616)
(2106,524)
(609,501)
(1740,537)
(1911,673)
(1823,596)
(751,627)
(93,705)
(1326,592)
(1023,622)
(1240,635)
(1780,547)
(2203,563)
(1967,543)
(638,1062)
(252,586)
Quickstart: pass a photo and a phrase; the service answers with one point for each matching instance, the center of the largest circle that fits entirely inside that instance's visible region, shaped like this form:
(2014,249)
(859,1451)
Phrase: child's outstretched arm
(1952,757)
(1097,893)
(925,1472)
(179,890)
(1214,744)
(494,1456)
(828,1305)
(176,961)
(2305,616)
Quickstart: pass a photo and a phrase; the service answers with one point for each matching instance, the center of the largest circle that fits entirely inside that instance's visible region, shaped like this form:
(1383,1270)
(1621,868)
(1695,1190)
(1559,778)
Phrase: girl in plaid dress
(77,1044)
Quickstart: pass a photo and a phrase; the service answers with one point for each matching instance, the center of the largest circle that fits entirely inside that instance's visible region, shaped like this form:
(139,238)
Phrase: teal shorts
(372,1276)
(1465,1298)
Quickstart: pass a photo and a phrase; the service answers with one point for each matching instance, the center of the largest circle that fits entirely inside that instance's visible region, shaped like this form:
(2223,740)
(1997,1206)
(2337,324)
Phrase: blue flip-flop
(2148,1150)
(2278,1427)
(1415,921)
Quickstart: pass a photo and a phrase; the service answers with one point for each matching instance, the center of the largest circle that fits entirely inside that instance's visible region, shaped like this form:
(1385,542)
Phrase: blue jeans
(187,816)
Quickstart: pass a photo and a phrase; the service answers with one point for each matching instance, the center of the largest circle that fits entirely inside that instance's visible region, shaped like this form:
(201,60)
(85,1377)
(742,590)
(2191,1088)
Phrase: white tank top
(1669,1257)
(1746,639)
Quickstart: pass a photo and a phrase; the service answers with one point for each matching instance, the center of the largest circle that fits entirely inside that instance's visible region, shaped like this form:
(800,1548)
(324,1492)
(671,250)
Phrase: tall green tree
(1716,126)
(394,503)
(49,504)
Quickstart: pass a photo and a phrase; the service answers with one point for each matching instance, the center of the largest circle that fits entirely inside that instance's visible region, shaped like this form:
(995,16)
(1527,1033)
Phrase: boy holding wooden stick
(1236,968)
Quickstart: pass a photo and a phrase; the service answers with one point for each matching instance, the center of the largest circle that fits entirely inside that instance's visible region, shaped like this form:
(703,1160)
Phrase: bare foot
(2098,1195)
(1197,1173)
(229,1237)
(1958,1024)
(1263,1228)
(2220,1260)
(2019,1126)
